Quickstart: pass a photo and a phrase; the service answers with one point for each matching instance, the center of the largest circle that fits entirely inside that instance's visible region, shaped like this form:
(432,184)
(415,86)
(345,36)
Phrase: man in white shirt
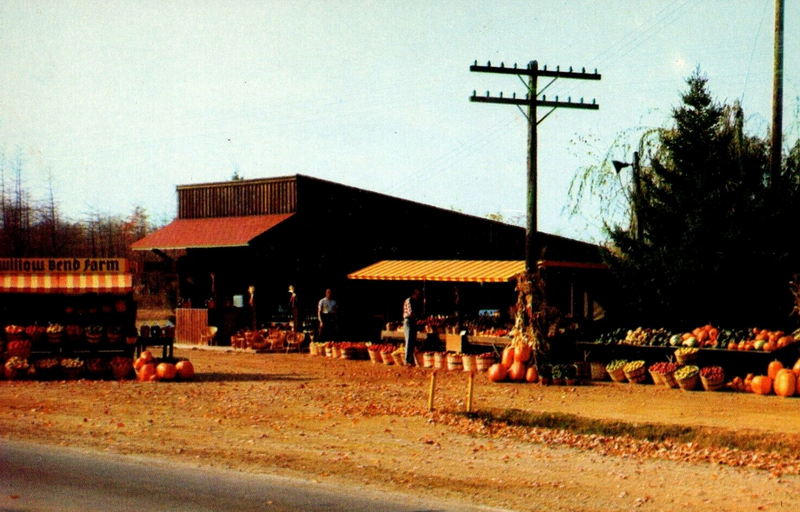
(327,310)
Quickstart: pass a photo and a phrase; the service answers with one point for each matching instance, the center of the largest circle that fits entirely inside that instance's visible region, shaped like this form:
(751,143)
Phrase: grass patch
(788,444)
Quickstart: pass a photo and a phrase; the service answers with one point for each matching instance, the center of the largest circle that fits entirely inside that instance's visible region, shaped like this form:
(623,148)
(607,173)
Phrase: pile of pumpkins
(514,365)
(150,369)
(782,381)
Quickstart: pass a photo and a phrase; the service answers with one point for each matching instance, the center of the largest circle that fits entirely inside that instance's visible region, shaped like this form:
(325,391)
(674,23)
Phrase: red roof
(209,232)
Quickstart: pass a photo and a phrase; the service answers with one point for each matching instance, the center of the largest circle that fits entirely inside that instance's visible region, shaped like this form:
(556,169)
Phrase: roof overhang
(211,232)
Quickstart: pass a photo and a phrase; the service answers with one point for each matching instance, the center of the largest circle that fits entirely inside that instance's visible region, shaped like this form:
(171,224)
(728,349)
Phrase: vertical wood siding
(234,199)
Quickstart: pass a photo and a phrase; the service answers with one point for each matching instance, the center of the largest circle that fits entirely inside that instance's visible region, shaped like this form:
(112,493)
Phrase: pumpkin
(532,375)
(137,365)
(732,345)
(522,353)
(166,371)
(146,372)
(785,383)
(761,384)
(185,369)
(516,371)
(773,368)
(497,372)
(796,367)
(508,357)
(748,382)
(147,356)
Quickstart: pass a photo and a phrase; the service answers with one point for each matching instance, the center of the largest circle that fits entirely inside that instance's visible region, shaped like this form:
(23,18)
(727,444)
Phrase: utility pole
(777,94)
(533,102)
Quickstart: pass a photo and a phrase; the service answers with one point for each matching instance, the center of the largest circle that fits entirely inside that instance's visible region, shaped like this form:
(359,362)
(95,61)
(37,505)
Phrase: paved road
(35,478)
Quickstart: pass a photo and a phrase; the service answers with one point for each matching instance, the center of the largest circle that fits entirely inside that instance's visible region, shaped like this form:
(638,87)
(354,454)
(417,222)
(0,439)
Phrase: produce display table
(166,344)
(735,362)
(394,336)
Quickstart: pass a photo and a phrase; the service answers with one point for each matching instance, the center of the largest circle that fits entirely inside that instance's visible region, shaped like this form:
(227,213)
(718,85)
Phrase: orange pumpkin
(137,365)
(748,382)
(785,383)
(497,372)
(516,371)
(773,368)
(146,372)
(796,367)
(522,353)
(762,385)
(508,357)
(732,345)
(532,375)
(166,371)
(147,356)
(185,369)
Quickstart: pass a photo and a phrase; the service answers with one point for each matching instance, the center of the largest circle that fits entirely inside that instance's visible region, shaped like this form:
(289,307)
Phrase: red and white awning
(73,283)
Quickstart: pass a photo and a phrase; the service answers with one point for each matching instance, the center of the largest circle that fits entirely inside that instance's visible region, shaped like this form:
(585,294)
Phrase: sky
(117,102)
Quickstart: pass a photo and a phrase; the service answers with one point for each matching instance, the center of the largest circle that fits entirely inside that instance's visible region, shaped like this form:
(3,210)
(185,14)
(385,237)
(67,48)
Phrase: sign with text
(63,265)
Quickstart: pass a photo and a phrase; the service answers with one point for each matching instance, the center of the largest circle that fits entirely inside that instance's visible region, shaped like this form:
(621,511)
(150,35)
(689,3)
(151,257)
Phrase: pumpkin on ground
(762,384)
(497,372)
(773,368)
(146,373)
(166,371)
(796,367)
(185,369)
(785,383)
(532,375)
(516,371)
(147,356)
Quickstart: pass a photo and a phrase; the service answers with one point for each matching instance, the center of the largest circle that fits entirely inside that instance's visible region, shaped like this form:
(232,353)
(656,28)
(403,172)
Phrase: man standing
(327,310)
(412,308)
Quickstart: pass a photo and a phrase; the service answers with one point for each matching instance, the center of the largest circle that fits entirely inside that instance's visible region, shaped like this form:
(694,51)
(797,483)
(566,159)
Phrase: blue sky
(121,101)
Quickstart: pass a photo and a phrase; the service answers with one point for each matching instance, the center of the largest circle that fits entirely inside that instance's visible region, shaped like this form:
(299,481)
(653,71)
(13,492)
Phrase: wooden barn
(266,234)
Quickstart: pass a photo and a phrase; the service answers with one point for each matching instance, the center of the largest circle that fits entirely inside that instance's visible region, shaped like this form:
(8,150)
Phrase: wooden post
(777,95)
(532,226)
(431,391)
(470,386)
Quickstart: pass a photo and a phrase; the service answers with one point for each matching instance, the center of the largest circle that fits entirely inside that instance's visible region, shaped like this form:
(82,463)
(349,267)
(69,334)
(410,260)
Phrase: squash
(785,383)
(532,375)
(761,384)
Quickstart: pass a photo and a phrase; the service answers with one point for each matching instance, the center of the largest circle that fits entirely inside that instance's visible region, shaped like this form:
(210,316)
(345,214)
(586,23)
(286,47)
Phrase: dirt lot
(356,423)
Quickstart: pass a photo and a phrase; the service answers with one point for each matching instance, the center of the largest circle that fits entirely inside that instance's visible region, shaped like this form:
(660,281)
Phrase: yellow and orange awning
(475,271)
(478,271)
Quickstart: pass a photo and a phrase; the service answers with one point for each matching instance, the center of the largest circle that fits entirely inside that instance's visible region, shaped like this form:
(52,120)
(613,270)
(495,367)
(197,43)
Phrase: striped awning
(66,283)
(478,271)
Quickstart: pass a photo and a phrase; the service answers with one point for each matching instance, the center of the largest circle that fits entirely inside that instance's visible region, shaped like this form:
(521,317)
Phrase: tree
(715,245)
